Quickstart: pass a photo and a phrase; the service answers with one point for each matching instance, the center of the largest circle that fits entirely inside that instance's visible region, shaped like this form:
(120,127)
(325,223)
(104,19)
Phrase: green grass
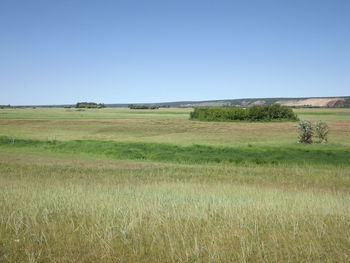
(324,154)
(324,113)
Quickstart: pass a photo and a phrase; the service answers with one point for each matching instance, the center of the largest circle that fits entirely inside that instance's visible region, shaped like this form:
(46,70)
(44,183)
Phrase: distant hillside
(291,102)
(342,101)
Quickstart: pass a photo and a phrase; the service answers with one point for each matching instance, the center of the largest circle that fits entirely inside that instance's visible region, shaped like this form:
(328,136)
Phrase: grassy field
(120,185)
(160,126)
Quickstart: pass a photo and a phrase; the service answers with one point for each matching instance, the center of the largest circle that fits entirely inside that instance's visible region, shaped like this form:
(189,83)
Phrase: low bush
(254,113)
(321,131)
(306,131)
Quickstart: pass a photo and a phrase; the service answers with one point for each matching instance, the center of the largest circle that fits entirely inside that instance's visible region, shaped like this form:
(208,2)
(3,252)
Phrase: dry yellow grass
(164,125)
(171,131)
(54,209)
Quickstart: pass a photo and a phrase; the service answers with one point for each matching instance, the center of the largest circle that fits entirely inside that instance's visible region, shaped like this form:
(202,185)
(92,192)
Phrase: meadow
(121,185)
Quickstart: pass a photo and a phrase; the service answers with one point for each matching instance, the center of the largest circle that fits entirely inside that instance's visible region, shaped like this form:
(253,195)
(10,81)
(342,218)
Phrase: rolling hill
(292,102)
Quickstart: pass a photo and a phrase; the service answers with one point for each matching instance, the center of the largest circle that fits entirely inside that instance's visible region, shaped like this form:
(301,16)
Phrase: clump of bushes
(254,113)
(307,131)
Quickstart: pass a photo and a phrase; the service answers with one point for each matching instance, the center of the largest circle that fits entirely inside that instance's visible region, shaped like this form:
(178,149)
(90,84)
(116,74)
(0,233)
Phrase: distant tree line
(89,105)
(254,113)
(5,106)
(146,107)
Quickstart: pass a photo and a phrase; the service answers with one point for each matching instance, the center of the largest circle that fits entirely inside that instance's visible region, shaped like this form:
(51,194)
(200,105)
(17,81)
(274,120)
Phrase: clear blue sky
(64,51)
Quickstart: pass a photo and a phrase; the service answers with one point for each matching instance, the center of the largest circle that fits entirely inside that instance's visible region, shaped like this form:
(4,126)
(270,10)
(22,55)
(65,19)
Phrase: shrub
(306,132)
(254,113)
(322,131)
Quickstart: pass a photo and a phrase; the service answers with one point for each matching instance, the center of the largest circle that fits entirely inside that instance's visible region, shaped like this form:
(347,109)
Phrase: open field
(153,186)
(163,125)
(105,113)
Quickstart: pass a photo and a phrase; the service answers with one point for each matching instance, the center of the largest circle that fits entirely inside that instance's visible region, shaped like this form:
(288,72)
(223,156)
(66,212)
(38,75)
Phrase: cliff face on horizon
(292,102)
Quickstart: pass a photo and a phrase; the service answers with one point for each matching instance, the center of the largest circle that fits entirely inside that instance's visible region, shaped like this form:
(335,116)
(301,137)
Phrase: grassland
(119,185)
(160,126)
(195,154)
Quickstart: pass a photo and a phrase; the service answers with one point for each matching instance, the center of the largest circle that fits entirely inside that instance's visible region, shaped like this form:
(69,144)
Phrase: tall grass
(63,214)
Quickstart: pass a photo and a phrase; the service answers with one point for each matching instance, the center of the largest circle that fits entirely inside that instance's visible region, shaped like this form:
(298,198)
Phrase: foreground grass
(328,178)
(54,209)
